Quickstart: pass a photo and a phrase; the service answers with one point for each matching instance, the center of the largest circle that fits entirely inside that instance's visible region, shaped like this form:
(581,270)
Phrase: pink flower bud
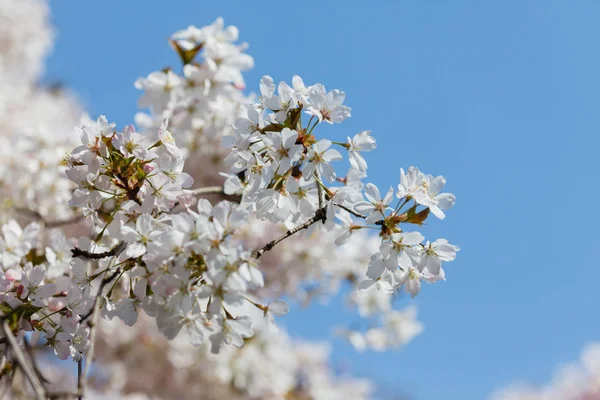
(129,129)
(186,200)
(12,275)
(56,303)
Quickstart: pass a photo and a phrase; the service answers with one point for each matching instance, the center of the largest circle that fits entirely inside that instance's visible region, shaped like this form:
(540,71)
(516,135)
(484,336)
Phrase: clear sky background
(500,97)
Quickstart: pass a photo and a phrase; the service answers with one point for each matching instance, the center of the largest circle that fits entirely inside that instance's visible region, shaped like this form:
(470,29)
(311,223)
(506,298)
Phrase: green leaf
(187,56)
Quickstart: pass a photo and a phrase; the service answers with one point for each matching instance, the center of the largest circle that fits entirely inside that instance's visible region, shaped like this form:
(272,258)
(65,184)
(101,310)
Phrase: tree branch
(95,313)
(38,388)
(62,395)
(320,215)
(320,191)
(80,378)
(208,190)
(115,251)
(132,194)
(89,357)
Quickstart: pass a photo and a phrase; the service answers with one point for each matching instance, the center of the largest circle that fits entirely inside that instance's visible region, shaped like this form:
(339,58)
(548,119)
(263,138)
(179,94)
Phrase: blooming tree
(196,229)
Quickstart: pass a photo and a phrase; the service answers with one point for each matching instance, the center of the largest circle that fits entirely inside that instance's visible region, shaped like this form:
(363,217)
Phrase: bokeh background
(499,97)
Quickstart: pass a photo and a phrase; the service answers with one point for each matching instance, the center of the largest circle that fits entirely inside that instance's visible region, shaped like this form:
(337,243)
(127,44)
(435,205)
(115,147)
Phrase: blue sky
(499,97)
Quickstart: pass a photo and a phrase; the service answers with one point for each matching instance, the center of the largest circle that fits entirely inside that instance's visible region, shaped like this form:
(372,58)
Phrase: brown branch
(62,395)
(320,215)
(132,194)
(38,388)
(80,378)
(115,251)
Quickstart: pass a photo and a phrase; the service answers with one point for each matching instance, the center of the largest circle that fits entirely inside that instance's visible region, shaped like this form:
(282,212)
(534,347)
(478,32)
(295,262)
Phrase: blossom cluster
(181,268)
(280,167)
(125,231)
(282,173)
(36,291)
(185,268)
(203,99)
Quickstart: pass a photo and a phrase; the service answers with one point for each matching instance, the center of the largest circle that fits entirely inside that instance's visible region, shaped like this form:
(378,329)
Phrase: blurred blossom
(575,381)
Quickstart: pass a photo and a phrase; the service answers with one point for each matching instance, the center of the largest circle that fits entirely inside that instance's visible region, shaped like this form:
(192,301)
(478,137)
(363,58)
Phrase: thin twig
(320,215)
(38,388)
(80,378)
(351,211)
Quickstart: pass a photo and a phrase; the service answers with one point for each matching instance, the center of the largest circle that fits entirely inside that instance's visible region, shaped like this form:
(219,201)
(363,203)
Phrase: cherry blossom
(191,230)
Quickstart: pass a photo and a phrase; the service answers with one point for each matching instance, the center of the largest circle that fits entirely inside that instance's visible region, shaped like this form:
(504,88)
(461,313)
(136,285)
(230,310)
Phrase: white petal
(279,308)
